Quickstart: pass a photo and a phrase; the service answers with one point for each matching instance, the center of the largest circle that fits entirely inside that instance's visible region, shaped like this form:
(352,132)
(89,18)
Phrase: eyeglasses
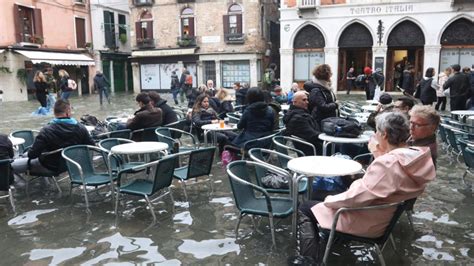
(416,125)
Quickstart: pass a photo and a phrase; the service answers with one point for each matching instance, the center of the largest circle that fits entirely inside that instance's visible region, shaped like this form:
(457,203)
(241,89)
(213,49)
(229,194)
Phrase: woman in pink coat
(398,173)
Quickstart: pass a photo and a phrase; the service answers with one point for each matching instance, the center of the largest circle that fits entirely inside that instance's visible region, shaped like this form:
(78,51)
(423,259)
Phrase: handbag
(341,127)
(377,93)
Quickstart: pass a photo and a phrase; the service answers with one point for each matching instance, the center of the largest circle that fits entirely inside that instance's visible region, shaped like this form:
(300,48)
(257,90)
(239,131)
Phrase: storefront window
(305,62)
(235,71)
(450,56)
(209,71)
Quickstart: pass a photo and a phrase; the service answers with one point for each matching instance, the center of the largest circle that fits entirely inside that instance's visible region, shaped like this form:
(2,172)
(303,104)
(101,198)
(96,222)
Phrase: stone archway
(457,44)
(308,48)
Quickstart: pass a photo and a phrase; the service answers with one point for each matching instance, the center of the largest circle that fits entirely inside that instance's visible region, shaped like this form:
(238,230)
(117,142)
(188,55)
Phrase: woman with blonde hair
(225,102)
(443,77)
(63,84)
(41,87)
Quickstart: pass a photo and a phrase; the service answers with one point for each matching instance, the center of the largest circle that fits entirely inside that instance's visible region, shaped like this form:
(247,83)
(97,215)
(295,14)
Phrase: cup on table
(221,124)
(226,120)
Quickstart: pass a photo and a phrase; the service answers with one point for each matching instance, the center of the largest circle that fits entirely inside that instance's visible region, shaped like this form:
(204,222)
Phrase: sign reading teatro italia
(388,9)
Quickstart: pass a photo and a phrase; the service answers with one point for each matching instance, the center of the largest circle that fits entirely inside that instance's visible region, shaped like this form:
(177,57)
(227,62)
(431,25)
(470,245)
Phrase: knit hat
(385,98)
(367,70)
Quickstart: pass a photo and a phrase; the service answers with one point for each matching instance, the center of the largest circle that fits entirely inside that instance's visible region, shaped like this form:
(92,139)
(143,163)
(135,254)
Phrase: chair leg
(171,197)
(379,253)
(117,203)
(241,215)
(151,208)
(56,184)
(12,201)
(393,242)
(328,247)
(272,228)
(85,197)
(183,184)
(410,218)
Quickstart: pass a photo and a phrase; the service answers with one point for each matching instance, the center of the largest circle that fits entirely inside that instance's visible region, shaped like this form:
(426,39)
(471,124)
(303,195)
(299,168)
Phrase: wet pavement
(53,228)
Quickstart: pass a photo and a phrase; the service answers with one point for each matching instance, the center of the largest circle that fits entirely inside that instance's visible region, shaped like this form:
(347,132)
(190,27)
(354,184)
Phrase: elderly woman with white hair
(398,173)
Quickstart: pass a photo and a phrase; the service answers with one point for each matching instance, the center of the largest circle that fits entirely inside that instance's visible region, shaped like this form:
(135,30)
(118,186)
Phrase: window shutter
(138,30)
(225,21)
(38,23)
(191,27)
(17,22)
(149,30)
(239,23)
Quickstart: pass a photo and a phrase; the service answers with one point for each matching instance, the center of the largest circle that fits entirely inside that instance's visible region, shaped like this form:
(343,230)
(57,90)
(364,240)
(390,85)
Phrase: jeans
(175,92)
(105,92)
(65,95)
(20,165)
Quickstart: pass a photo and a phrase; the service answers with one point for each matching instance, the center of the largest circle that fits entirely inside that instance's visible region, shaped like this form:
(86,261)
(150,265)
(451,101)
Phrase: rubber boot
(308,239)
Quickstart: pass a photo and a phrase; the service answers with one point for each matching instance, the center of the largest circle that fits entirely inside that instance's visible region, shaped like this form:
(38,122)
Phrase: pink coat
(399,175)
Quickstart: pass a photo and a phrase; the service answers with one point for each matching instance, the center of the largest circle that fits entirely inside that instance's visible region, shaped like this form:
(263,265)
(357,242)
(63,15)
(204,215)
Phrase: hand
(373,146)
(379,108)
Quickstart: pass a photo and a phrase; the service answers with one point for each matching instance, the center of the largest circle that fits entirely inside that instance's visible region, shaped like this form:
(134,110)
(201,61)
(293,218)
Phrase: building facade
(386,34)
(38,35)
(111,41)
(224,41)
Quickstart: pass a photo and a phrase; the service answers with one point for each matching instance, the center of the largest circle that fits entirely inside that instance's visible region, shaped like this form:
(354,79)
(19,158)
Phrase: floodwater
(53,228)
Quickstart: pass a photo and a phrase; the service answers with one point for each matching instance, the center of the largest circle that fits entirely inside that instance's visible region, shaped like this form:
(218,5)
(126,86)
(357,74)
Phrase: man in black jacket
(169,115)
(299,122)
(459,88)
(101,84)
(63,131)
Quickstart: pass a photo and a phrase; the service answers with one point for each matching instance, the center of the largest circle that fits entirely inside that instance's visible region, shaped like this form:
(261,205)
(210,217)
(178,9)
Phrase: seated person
(225,103)
(299,122)
(424,121)
(398,173)
(240,93)
(202,115)
(404,104)
(6,151)
(145,117)
(169,115)
(385,105)
(63,131)
(278,95)
(257,119)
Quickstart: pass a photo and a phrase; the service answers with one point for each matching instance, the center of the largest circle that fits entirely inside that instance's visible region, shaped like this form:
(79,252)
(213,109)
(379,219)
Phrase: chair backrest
(164,135)
(27,135)
(261,156)
(200,162)
(145,134)
(263,142)
(244,194)
(5,174)
(107,144)
(55,155)
(122,134)
(164,172)
(79,160)
(180,124)
(282,145)
(233,118)
(468,154)
(396,215)
(442,133)
(451,137)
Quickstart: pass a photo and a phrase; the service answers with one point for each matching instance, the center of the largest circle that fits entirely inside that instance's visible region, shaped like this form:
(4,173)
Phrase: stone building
(386,34)
(224,41)
(38,35)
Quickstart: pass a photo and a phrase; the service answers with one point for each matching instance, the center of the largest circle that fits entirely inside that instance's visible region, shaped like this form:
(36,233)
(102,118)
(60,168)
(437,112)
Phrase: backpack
(71,84)
(359,81)
(89,120)
(174,82)
(188,80)
(341,127)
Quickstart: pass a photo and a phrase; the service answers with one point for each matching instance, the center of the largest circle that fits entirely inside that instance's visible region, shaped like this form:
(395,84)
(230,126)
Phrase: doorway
(358,58)
(399,59)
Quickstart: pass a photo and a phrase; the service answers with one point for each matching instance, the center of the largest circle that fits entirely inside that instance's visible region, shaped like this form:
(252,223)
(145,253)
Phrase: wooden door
(418,64)
(389,71)
(342,68)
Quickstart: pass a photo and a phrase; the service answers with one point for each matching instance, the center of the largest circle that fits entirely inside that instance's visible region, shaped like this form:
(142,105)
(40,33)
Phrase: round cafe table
(144,147)
(327,139)
(16,141)
(323,166)
(369,108)
(361,117)
(215,128)
(461,114)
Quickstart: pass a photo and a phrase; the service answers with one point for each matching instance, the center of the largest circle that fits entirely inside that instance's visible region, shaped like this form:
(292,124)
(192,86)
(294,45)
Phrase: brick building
(225,41)
(377,33)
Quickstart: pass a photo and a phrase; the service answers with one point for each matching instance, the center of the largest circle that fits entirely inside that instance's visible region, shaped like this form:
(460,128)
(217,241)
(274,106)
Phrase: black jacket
(100,81)
(63,84)
(204,117)
(459,85)
(6,147)
(408,82)
(257,121)
(146,117)
(425,92)
(169,115)
(321,101)
(298,122)
(41,87)
(240,96)
(61,133)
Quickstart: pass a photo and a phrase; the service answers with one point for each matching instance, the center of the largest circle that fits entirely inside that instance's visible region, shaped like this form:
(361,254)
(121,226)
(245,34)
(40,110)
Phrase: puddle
(28,217)
(207,248)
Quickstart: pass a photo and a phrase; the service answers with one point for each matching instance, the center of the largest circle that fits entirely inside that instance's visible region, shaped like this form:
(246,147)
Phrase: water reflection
(57,255)
(28,218)
(207,248)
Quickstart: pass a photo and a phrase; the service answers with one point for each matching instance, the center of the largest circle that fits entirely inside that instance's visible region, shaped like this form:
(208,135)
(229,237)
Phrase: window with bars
(235,71)
(210,71)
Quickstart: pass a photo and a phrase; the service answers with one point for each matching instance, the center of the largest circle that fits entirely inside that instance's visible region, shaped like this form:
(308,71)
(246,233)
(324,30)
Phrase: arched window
(144,30)
(233,24)
(187,22)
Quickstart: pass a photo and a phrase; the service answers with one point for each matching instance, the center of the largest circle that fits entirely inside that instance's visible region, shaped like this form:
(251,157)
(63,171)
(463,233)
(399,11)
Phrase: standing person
(443,77)
(269,78)
(459,88)
(470,74)
(426,89)
(239,95)
(174,87)
(64,85)
(322,100)
(187,87)
(408,83)
(182,81)
(41,87)
(101,84)
(350,79)
(53,88)
(210,87)
(369,83)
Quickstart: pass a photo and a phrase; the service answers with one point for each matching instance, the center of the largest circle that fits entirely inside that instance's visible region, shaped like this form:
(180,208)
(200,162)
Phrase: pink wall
(58,22)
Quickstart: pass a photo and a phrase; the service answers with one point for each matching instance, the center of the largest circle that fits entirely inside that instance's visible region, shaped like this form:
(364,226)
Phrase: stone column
(331,58)
(112,84)
(199,73)
(286,68)
(431,57)
(253,73)
(380,51)
(136,77)
(218,74)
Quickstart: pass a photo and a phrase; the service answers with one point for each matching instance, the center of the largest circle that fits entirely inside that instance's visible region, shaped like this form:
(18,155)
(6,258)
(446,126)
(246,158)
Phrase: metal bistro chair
(233,117)
(83,170)
(118,162)
(379,242)
(297,145)
(146,188)
(249,203)
(199,164)
(172,137)
(467,148)
(28,135)
(5,181)
(263,142)
(145,134)
(53,175)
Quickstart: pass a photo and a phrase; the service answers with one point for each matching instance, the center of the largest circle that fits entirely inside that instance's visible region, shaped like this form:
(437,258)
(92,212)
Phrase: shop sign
(375,10)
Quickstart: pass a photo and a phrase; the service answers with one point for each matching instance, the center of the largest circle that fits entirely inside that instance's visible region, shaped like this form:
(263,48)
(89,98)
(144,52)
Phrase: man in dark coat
(63,131)
(169,115)
(459,88)
(298,122)
(101,84)
(408,83)
(145,117)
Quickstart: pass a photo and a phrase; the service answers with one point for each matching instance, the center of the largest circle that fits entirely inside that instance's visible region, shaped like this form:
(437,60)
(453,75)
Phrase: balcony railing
(308,4)
(234,38)
(186,1)
(186,41)
(143,2)
(145,43)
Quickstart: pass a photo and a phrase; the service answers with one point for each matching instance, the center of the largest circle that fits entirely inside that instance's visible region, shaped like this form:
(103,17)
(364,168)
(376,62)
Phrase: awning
(38,57)
(164,52)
